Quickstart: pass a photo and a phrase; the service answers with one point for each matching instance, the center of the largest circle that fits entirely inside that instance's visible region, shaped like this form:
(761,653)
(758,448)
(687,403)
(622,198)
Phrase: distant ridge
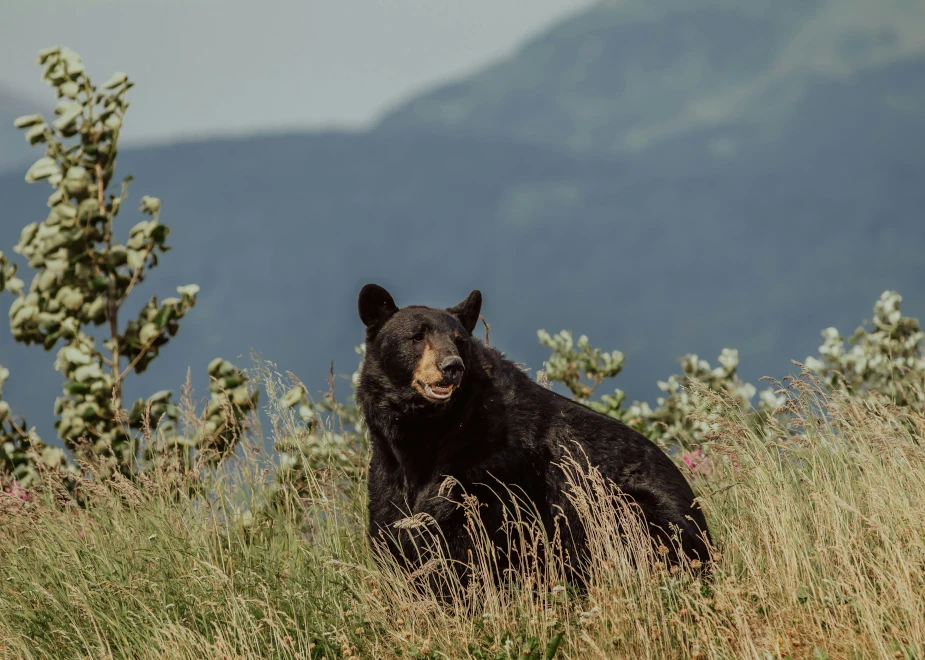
(624,76)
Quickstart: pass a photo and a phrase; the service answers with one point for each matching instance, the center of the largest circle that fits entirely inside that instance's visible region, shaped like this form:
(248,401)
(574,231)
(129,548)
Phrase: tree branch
(112,307)
(100,193)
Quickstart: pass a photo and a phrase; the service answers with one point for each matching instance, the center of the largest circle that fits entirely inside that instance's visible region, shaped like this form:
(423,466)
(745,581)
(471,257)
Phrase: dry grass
(821,534)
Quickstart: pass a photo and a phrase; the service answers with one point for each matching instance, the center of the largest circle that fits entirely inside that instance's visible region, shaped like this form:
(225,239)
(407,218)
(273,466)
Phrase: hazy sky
(217,66)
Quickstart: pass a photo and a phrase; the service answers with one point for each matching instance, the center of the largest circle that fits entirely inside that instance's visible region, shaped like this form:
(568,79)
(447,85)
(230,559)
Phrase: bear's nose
(452,367)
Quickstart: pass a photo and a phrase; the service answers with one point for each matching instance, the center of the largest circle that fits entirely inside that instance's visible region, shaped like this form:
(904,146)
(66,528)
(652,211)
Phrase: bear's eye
(418,336)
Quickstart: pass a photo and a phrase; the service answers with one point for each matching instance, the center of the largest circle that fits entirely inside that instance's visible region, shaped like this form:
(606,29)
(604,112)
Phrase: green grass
(821,540)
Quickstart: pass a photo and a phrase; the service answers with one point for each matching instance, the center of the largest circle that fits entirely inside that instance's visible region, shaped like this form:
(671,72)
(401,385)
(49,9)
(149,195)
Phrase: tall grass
(819,527)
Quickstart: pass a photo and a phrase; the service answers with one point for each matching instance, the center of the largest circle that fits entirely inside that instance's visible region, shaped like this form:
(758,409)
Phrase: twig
(141,353)
(137,273)
(597,383)
(17,428)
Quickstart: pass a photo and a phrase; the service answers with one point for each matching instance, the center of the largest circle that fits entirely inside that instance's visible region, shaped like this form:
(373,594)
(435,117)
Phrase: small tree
(83,278)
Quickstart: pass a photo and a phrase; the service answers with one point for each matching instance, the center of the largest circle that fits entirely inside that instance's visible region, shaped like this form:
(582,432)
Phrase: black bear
(438,402)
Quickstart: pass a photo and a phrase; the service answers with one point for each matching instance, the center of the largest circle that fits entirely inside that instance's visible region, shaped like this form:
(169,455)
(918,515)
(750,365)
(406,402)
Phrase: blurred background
(666,177)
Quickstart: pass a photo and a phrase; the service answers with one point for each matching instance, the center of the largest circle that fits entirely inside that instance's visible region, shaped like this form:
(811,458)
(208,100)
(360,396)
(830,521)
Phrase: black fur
(496,425)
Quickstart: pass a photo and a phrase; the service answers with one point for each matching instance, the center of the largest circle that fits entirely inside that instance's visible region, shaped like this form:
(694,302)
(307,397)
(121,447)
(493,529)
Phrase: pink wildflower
(14,490)
(689,458)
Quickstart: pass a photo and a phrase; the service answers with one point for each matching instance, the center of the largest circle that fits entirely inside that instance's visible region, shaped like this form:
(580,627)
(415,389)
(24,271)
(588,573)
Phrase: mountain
(749,231)
(626,75)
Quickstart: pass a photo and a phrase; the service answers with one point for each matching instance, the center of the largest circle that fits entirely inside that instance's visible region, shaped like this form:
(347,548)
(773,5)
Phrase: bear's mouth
(438,392)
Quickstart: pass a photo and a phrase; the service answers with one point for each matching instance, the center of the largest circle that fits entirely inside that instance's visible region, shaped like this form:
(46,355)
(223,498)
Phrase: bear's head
(421,352)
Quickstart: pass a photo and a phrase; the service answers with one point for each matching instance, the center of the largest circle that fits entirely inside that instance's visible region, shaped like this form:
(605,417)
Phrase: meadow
(818,525)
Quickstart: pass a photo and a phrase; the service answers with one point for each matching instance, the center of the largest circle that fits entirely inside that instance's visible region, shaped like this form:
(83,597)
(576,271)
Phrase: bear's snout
(452,368)
(439,371)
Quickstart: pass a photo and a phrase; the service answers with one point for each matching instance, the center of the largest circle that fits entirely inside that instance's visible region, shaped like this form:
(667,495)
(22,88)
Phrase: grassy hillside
(820,543)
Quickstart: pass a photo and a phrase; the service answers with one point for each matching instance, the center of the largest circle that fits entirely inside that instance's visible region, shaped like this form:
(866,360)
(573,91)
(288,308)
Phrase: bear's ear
(375,305)
(468,310)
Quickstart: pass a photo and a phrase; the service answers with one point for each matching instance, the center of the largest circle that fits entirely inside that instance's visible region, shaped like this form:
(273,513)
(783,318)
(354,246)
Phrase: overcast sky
(204,67)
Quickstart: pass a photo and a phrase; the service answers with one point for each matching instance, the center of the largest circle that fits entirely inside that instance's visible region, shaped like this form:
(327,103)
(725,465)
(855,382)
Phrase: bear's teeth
(438,392)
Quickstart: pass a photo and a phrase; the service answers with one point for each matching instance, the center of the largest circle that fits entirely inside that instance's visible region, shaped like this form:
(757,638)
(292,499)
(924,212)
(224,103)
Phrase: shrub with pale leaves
(886,358)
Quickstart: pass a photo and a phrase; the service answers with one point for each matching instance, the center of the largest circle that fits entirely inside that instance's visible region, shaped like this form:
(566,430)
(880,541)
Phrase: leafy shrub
(887,358)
